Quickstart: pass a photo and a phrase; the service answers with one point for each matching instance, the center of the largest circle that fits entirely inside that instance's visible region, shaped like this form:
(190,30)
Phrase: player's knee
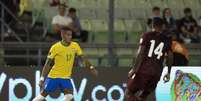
(137,95)
(133,98)
(39,98)
(68,97)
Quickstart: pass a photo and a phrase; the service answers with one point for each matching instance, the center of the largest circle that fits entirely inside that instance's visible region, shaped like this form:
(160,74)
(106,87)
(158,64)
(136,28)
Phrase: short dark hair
(72,10)
(158,22)
(164,11)
(180,40)
(187,10)
(65,29)
(156,8)
(63,5)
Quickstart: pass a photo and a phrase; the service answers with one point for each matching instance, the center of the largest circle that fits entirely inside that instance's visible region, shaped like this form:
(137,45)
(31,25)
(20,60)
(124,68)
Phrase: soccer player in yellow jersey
(62,54)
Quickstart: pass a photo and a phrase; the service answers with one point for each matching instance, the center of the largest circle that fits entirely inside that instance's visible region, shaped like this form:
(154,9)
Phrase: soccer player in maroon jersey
(146,71)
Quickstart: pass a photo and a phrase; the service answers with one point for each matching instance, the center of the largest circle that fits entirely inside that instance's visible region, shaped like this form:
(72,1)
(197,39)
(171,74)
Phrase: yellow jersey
(63,57)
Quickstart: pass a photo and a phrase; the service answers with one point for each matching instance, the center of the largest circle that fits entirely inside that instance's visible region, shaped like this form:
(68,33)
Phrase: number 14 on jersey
(156,51)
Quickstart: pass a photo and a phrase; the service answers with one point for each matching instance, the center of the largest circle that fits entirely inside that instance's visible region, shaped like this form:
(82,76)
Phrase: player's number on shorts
(157,51)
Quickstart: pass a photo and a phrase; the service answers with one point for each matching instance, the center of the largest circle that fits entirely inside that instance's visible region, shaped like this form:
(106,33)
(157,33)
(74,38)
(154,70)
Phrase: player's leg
(68,95)
(67,88)
(41,96)
(137,96)
(136,87)
(131,95)
(151,87)
(50,86)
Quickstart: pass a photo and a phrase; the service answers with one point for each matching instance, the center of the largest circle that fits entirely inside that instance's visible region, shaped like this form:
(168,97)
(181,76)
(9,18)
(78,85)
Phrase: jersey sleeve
(52,52)
(78,50)
(144,39)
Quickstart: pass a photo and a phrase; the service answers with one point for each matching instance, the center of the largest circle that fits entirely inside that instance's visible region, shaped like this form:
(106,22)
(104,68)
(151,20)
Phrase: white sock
(39,98)
(67,97)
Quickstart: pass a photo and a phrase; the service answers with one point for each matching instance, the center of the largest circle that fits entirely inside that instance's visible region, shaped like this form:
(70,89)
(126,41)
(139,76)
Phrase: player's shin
(39,98)
(67,97)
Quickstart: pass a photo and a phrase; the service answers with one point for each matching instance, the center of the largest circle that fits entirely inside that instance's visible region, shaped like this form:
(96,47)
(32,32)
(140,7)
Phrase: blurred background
(108,31)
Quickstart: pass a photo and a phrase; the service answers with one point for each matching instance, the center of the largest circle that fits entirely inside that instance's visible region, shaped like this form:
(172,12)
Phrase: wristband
(42,78)
(91,67)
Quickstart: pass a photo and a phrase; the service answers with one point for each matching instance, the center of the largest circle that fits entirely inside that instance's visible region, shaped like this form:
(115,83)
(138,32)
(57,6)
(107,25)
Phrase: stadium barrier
(21,84)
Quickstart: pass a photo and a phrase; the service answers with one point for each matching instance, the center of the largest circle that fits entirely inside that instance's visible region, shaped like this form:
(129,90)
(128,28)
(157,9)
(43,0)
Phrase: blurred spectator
(188,28)
(155,14)
(80,34)
(168,19)
(61,20)
(181,55)
(199,22)
(22,6)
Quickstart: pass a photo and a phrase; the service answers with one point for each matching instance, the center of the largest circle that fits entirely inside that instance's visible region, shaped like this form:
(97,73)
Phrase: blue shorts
(52,84)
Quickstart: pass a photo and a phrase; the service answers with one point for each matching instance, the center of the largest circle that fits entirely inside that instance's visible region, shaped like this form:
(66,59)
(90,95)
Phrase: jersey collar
(65,44)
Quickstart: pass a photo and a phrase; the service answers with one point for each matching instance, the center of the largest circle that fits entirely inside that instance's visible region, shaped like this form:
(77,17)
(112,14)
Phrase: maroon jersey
(145,80)
(156,47)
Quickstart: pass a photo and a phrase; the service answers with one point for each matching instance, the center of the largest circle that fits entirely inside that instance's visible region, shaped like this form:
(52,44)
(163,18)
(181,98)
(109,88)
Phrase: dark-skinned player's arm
(169,63)
(46,69)
(136,65)
(88,65)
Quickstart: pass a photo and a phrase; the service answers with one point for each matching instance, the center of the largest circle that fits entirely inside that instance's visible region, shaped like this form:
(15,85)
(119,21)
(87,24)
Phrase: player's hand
(41,84)
(94,72)
(166,78)
(127,93)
